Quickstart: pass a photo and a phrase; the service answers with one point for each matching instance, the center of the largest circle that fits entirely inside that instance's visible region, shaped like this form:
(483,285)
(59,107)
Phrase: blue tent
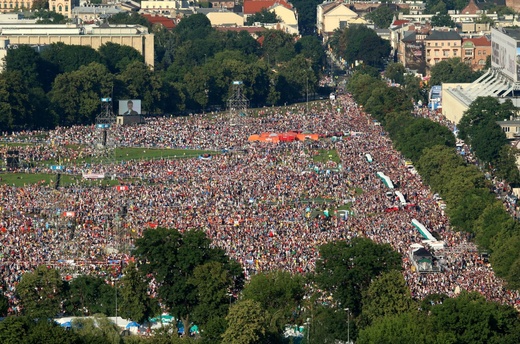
(132,324)
(67,324)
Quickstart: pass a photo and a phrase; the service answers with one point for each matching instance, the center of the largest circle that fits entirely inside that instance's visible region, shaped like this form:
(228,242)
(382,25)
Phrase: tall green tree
(41,292)
(387,295)
(68,58)
(381,17)
(452,71)
(345,269)
(395,72)
(142,83)
(136,303)
(279,293)
(88,295)
(248,323)
(118,57)
(359,43)
(171,258)
(76,95)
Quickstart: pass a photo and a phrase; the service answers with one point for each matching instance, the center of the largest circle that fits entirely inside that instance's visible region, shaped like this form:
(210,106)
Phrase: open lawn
(324,155)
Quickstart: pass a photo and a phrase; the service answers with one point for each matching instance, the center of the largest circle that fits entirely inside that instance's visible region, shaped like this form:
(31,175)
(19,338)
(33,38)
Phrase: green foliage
(381,17)
(248,323)
(345,269)
(118,57)
(452,71)
(471,319)
(465,212)
(41,292)
(172,258)
(406,328)
(442,20)
(395,72)
(279,293)
(478,127)
(128,18)
(359,43)
(306,15)
(97,329)
(136,304)
(20,329)
(141,83)
(212,281)
(76,95)
(196,26)
(422,133)
(68,58)
(264,16)
(88,295)
(387,295)
(49,17)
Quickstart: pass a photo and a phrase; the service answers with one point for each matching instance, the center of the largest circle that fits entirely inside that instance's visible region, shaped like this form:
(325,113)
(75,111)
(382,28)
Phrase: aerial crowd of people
(253,199)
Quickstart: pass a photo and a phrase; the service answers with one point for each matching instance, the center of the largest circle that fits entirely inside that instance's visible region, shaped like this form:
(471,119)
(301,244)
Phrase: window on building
(505,129)
(54,8)
(342,24)
(484,52)
(436,53)
(454,52)
(60,9)
(66,8)
(446,53)
(442,44)
(468,52)
(436,43)
(481,62)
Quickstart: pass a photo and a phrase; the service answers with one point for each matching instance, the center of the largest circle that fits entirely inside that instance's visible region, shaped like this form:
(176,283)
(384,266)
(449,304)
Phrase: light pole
(307,92)
(308,323)
(348,325)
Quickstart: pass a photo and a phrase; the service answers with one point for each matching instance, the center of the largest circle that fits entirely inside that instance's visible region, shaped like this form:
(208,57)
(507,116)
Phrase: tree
(68,58)
(345,269)
(41,292)
(410,327)
(442,20)
(279,293)
(141,83)
(436,159)
(212,281)
(129,18)
(423,133)
(359,43)
(452,71)
(248,323)
(264,16)
(395,72)
(381,17)
(97,329)
(136,303)
(471,319)
(492,221)
(88,295)
(171,258)
(118,57)
(196,26)
(387,295)
(76,95)
(26,61)
(464,214)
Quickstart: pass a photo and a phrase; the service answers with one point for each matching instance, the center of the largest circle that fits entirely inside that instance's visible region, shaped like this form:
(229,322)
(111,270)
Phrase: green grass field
(326,155)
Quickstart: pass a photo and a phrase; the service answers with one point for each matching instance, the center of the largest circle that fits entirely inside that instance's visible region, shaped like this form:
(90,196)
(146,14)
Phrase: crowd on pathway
(254,201)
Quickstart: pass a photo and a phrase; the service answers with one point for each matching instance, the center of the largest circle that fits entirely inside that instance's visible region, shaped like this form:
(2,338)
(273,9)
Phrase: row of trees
(471,206)
(357,292)
(195,67)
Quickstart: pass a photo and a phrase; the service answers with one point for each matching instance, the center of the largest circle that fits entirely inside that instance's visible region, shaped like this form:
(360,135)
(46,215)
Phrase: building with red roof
(168,23)
(254,6)
(475,51)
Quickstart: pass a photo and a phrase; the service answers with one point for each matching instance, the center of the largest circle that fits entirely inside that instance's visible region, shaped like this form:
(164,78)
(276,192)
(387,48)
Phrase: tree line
(194,69)
(471,205)
(357,292)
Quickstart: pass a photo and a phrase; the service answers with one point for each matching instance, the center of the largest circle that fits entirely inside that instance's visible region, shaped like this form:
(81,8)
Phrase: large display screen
(130,107)
(504,53)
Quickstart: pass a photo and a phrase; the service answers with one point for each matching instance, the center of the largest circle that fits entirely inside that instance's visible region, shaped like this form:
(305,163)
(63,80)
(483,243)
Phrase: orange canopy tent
(253,138)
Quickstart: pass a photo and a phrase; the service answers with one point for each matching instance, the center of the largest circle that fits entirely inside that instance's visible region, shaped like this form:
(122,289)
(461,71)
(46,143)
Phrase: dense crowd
(254,201)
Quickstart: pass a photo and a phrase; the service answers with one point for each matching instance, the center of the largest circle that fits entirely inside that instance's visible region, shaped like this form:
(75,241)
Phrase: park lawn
(123,154)
(21,179)
(126,154)
(325,155)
